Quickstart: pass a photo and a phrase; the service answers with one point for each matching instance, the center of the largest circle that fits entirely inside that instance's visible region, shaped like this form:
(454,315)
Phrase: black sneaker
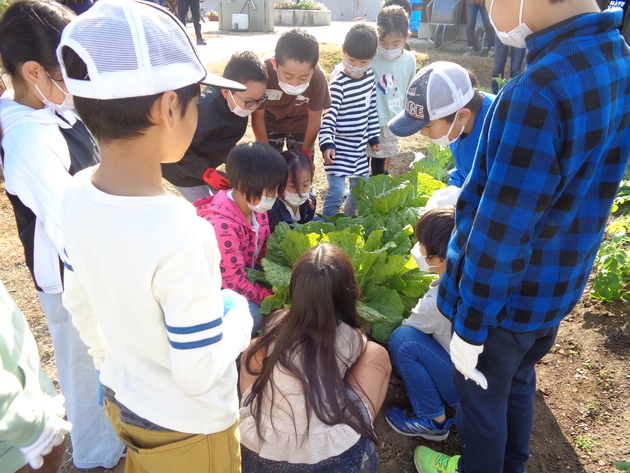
(201,42)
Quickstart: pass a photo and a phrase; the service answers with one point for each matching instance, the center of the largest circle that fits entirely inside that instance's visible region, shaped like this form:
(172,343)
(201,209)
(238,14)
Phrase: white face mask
(293,89)
(390,54)
(355,71)
(516,37)
(445,140)
(67,104)
(239,111)
(264,205)
(294,199)
(421,259)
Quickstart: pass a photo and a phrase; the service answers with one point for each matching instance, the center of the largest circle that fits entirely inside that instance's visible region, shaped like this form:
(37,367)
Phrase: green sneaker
(430,461)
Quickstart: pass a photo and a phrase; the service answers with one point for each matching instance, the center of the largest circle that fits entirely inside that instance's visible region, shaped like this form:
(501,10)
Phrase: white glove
(464,357)
(53,434)
(445,196)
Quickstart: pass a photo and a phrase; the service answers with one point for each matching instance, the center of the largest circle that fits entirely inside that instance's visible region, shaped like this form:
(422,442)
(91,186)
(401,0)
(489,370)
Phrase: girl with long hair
(312,384)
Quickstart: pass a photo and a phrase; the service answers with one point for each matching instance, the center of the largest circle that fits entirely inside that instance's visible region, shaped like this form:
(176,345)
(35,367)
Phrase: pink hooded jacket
(238,243)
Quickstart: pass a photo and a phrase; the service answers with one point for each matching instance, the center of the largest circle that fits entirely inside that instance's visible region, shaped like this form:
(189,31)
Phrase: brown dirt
(582,403)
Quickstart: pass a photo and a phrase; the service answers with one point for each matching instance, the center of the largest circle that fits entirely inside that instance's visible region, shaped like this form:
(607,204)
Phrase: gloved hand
(464,356)
(445,196)
(216,179)
(53,434)
(233,300)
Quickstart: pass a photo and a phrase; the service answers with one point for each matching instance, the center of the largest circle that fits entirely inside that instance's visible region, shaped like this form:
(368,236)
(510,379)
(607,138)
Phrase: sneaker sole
(435,438)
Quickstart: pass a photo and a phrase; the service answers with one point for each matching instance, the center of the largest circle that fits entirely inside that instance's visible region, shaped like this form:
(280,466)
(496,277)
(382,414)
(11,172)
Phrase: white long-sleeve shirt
(143,287)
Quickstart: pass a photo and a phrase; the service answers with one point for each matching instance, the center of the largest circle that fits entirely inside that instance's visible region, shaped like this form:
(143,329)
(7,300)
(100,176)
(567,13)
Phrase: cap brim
(404,125)
(218,81)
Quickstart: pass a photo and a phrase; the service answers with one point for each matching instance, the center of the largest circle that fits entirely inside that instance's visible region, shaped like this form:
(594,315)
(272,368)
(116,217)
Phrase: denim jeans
(426,369)
(495,424)
(94,442)
(500,59)
(254,311)
(334,195)
(471,23)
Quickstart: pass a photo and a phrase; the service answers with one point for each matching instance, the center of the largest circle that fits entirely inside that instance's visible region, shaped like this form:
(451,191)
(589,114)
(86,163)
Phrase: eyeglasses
(254,103)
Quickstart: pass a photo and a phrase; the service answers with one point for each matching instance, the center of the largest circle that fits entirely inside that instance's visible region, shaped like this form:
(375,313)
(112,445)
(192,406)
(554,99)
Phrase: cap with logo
(133,48)
(437,91)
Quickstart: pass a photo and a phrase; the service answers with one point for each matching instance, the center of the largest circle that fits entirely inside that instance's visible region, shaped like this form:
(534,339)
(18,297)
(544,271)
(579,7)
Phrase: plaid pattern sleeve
(532,212)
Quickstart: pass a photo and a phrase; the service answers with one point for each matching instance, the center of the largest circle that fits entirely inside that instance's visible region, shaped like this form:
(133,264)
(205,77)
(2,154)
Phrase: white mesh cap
(133,48)
(437,91)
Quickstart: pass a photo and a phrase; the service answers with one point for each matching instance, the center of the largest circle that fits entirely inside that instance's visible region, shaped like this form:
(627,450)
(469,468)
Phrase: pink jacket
(238,243)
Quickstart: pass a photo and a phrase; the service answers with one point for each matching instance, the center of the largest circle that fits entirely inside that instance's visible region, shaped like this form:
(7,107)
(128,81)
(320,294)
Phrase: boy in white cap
(142,270)
(444,104)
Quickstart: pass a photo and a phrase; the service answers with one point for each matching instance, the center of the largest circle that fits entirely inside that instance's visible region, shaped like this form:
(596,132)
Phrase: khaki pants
(154,451)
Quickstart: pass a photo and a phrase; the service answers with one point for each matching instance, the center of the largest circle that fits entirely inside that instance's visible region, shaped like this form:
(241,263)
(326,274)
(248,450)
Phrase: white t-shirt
(144,289)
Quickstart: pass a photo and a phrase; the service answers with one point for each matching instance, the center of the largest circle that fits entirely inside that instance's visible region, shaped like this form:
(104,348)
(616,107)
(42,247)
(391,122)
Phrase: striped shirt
(350,123)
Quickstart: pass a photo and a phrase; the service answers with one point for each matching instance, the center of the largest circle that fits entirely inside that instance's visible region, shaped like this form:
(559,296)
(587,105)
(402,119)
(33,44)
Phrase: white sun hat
(133,49)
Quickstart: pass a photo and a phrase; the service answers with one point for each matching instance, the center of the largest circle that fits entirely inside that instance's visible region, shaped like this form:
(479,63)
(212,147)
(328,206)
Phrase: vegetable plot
(377,242)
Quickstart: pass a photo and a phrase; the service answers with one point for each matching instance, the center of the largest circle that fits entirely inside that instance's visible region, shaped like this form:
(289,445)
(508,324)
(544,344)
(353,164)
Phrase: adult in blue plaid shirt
(530,219)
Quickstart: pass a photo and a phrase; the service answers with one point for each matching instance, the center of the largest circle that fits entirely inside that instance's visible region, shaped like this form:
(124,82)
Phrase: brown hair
(324,292)
(434,229)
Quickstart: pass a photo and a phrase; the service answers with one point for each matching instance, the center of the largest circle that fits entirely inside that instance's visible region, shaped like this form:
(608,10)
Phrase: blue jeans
(500,59)
(425,368)
(495,424)
(334,195)
(254,310)
(471,23)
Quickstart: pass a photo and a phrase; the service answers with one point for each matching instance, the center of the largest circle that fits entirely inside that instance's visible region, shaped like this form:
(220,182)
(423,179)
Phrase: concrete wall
(260,18)
(348,10)
(301,17)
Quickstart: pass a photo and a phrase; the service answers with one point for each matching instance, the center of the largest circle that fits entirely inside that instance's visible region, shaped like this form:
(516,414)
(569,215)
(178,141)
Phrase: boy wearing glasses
(222,121)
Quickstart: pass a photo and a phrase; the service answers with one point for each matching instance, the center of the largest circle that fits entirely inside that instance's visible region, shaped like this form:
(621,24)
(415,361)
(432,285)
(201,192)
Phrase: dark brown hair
(296,163)
(392,20)
(405,4)
(255,167)
(434,229)
(244,67)
(30,30)
(360,41)
(324,292)
(299,45)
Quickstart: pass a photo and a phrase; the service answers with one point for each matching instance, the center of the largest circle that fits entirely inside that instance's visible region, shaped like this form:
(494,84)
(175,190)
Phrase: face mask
(239,111)
(390,54)
(444,140)
(264,205)
(516,37)
(293,89)
(67,104)
(355,71)
(421,259)
(294,199)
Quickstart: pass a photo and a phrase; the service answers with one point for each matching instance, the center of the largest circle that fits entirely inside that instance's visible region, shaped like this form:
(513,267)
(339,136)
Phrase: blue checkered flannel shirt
(532,212)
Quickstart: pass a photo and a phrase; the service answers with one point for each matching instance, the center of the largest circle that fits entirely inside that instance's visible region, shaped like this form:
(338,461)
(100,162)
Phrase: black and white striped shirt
(350,123)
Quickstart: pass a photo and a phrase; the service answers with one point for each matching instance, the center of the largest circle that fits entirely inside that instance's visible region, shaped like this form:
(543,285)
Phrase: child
(443,104)
(351,122)
(530,219)
(142,270)
(297,204)
(297,94)
(393,69)
(222,122)
(312,384)
(239,217)
(44,145)
(419,348)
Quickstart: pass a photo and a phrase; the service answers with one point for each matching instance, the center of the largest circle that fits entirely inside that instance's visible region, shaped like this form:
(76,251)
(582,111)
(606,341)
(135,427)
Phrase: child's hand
(329,156)
(376,147)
